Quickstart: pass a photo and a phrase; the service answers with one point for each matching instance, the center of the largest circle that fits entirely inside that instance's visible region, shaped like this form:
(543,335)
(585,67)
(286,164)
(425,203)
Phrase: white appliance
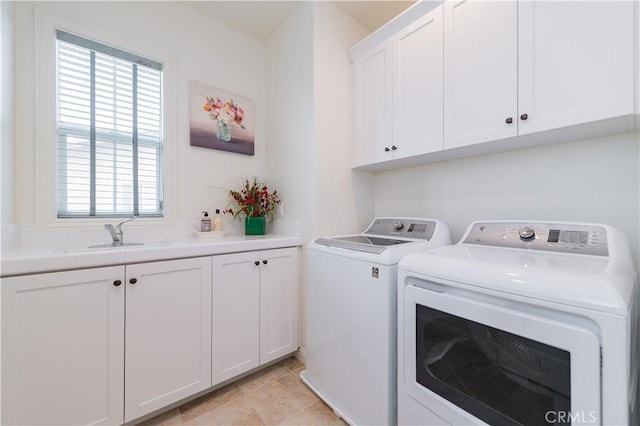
(351,315)
(520,323)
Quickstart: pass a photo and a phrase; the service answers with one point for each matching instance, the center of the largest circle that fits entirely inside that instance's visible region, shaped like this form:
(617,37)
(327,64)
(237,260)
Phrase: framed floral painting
(221,120)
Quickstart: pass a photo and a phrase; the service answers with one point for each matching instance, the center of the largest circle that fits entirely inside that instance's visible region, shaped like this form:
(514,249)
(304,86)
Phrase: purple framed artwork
(221,120)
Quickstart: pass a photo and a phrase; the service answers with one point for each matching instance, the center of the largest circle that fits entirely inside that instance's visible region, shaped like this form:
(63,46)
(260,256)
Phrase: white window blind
(109,116)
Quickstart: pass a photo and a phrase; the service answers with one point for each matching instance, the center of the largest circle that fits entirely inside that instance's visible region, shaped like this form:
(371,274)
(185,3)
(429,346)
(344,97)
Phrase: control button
(398,226)
(527,234)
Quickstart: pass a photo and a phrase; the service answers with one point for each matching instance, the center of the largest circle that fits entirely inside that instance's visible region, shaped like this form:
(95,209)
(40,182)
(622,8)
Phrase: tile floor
(272,396)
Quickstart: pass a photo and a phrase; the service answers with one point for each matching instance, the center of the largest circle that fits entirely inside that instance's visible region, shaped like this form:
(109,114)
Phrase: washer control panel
(403,227)
(555,237)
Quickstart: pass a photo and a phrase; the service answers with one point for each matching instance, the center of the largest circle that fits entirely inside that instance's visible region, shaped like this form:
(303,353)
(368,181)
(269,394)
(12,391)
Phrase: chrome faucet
(116,232)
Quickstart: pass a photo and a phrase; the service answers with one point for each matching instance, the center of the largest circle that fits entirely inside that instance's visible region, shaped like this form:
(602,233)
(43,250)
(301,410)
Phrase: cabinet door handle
(386,149)
(393,147)
(264,262)
(117,283)
(133,280)
(256,262)
(509,120)
(524,116)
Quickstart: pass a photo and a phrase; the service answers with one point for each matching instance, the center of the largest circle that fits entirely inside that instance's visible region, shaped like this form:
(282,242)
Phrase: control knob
(527,234)
(398,226)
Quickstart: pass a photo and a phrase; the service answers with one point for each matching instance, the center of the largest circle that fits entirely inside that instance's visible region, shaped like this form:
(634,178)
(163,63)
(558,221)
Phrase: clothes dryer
(520,323)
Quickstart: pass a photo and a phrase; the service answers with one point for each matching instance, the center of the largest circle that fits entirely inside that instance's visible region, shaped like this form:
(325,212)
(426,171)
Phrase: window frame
(46,189)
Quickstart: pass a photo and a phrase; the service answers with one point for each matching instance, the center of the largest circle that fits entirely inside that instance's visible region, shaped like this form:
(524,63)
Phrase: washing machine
(521,322)
(351,315)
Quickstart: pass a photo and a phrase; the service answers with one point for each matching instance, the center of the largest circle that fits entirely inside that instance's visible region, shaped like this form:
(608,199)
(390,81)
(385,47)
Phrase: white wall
(290,130)
(309,133)
(291,163)
(344,197)
(6,126)
(593,180)
(309,137)
(6,111)
(201,49)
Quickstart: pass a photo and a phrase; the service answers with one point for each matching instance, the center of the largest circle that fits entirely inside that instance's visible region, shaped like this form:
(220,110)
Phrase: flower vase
(224,131)
(254,225)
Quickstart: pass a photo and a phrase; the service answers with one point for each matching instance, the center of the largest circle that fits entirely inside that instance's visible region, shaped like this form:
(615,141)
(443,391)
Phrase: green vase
(254,225)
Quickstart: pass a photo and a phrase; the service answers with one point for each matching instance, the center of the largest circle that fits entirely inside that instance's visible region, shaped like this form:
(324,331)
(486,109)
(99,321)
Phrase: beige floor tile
(300,391)
(275,395)
(280,399)
(316,414)
(199,406)
(236,411)
(292,363)
(169,418)
(262,377)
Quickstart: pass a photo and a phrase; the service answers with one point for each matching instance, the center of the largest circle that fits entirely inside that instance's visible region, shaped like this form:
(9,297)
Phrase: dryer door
(472,361)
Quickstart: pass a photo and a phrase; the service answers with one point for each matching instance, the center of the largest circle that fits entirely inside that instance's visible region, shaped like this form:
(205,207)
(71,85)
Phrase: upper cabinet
(398,94)
(472,77)
(575,62)
(417,87)
(516,68)
(481,71)
(372,104)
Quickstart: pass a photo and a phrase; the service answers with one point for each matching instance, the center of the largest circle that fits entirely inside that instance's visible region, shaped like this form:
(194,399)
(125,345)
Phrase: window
(109,131)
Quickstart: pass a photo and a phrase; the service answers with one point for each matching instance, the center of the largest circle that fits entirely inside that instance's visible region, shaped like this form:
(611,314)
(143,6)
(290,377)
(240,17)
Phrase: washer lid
(366,243)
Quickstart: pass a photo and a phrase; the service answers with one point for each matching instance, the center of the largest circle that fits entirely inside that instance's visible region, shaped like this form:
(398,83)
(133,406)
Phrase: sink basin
(123,245)
(110,247)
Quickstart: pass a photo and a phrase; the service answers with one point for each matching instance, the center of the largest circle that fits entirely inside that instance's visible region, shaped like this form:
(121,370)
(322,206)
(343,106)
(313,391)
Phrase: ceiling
(259,19)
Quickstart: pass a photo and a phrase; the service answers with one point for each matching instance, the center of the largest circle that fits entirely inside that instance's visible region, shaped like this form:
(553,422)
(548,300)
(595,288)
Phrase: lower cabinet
(63,348)
(168,333)
(254,310)
(66,343)
(109,345)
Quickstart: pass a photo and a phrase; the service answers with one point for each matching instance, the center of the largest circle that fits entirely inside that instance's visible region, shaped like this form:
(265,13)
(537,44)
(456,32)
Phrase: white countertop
(28,261)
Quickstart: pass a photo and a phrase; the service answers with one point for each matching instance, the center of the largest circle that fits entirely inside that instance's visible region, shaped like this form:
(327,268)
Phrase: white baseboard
(301,355)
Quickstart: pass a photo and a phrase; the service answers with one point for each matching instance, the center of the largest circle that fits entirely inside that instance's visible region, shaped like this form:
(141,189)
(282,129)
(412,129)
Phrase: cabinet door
(236,314)
(278,303)
(418,87)
(62,348)
(168,333)
(372,105)
(575,62)
(480,71)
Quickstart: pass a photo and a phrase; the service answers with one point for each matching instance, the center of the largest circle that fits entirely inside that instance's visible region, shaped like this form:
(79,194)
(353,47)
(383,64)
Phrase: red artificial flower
(254,200)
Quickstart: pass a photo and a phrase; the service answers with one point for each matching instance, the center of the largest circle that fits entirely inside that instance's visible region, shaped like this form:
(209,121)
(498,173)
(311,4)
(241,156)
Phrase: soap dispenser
(205,223)
(217,221)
